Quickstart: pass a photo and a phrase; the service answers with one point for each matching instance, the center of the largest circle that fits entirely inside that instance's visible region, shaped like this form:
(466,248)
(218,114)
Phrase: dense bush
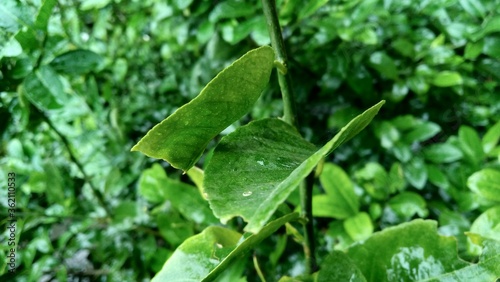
(82,81)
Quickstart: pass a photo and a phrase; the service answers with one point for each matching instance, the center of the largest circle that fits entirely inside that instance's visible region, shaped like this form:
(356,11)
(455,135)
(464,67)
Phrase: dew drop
(247,193)
(260,162)
(205,195)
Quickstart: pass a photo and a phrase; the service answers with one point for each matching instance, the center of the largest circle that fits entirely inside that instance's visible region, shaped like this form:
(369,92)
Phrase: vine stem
(285,82)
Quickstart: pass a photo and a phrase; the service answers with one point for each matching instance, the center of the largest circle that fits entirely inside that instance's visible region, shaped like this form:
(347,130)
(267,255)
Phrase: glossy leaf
(205,256)
(181,138)
(486,183)
(42,19)
(470,144)
(421,132)
(255,168)
(487,225)
(44,89)
(76,62)
(359,227)
(447,79)
(490,139)
(249,163)
(442,153)
(156,187)
(375,180)
(198,255)
(487,269)
(411,252)
(249,243)
(416,173)
(407,204)
(337,266)
(340,200)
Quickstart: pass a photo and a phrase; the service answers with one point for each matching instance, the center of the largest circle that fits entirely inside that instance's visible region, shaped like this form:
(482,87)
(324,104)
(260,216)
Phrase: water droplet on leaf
(247,193)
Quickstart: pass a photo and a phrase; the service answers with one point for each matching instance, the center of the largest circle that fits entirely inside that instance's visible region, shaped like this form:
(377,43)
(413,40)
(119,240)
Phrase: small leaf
(407,204)
(337,266)
(422,132)
(442,153)
(231,9)
(76,62)
(416,173)
(359,227)
(447,79)
(470,144)
(490,139)
(181,138)
(384,64)
(156,187)
(486,183)
(339,192)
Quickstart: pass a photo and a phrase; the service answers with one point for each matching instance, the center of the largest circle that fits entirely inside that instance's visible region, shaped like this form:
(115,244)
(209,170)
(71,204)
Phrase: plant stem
(97,192)
(285,82)
(273,25)
(306,213)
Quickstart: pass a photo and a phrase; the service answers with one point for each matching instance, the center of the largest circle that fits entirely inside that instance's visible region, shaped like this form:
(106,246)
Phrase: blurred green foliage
(82,81)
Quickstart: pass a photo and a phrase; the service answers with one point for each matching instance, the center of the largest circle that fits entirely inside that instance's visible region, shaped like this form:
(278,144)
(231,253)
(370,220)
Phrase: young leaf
(181,138)
(340,200)
(259,191)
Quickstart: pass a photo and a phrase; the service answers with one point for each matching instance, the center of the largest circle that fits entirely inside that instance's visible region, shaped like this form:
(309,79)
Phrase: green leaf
(310,7)
(231,9)
(447,79)
(414,252)
(340,200)
(470,144)
(473,49)
(422,132)
(337,266)
(384,64)
(442,153)
(44,14)
(359,227)
(375,180)
(205,256)
(181,138)
(474,7)
(76,62)
(437,177)
(490,139)
(407,204)
(487,269)
(249,163)
(196,175)
(249,243)
(485,183)
(490,25)
(264,155)
(416,173)
(44,89)
(198,255)
(487,225)
(156,187)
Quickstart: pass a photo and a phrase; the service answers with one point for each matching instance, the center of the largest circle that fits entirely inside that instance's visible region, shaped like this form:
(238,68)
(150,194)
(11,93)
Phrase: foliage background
(437,63)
